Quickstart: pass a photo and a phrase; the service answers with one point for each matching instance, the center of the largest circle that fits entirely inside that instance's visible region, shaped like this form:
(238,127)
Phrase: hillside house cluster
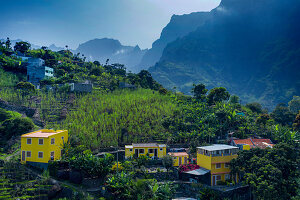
(213,161)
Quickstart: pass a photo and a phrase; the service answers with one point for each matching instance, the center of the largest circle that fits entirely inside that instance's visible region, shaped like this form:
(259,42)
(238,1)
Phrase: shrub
(25,86)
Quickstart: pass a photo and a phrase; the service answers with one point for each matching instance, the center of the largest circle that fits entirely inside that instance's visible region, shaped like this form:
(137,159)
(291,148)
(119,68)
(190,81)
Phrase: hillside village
(105,133)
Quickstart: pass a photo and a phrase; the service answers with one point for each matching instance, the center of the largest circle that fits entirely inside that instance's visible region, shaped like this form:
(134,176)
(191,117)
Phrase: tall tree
(294,104)
(282,114)
(199,91)
(255,107)
(22,47)
(218,94)
(8,43)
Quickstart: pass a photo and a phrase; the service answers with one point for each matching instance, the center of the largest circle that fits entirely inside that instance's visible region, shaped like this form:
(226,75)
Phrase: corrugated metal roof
(216,147)
(198,172)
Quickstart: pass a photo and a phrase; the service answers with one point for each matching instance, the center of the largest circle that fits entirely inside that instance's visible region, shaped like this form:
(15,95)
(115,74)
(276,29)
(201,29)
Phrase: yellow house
(179,158)
(216,158)
(152,149)
(39,147)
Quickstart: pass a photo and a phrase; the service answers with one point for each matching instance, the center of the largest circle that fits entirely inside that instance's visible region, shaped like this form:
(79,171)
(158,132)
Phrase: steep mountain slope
(103,49)
(179,26)
(250,47)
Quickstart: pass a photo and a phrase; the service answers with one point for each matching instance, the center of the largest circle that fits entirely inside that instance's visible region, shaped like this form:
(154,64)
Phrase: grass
(8,79)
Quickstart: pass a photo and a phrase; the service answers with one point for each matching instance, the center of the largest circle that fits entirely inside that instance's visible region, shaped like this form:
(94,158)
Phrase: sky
(71,22)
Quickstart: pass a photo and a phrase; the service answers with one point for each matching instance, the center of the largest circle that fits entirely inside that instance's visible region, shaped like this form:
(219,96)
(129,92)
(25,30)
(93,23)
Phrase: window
(141,151)
(226,165)
(130,150)
(62,138)
(40,154)
(227,176)
(218,178)
(150,150)
(160,149)
(28,154)
(218,165)
(29,141)
(41,141)
(52,140)
(175,158)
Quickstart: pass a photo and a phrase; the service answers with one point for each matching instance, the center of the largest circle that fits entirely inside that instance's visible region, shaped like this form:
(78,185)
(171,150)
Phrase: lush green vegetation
(132,116)
(271,173)
(12,123)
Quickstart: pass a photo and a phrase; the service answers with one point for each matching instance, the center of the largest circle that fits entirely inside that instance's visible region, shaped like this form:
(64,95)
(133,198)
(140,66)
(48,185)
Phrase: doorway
(155,152)
(23,155)
(136,152)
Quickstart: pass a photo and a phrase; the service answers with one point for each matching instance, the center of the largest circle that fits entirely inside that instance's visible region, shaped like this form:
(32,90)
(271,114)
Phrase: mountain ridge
(240,50)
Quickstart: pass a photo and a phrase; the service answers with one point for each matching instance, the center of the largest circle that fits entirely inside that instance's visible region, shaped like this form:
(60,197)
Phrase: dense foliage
(13,124)
(124,186)
(271,173)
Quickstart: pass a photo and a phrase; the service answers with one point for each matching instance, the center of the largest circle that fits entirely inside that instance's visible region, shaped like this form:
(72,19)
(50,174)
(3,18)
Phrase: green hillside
(133,116)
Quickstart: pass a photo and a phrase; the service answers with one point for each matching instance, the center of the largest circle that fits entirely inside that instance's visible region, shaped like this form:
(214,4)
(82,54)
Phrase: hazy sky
(71,22)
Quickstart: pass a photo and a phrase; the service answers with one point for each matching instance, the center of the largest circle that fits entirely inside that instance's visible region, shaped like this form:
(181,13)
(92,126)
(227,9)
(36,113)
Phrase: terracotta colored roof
(263,145)
(262,140)
(177,154)
(148,145)
(41,133)
(254,142)
(243,141)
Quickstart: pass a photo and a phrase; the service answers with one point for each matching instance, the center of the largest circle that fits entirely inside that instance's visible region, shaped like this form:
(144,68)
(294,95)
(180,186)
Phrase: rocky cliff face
(103,49)
(250,47)
(179,26)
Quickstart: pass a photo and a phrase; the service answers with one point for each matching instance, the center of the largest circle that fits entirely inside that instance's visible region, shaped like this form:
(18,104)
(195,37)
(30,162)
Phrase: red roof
(255,142)
(243,141)
(262,140)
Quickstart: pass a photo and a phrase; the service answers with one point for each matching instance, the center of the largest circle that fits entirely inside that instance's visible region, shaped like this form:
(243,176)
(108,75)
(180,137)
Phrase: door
(23,155)
(136,153)
(185,160)
(52,155)
(180,160)
(216,178)
(155,152)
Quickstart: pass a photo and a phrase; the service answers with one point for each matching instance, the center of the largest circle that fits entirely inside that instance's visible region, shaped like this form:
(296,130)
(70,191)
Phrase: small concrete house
(152,149)
(39,147)
(81,87)
(249,143)
(36,70)
(179,158)
(216,158)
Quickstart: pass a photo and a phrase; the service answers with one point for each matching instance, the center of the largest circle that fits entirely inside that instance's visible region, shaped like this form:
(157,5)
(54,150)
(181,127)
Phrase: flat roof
(216,147)
(141,145)
(178,154)
(44,133)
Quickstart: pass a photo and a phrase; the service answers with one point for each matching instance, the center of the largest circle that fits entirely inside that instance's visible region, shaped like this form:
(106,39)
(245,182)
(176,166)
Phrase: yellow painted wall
(176,160)
(246,147)
(46,148)
(204,161)
(160,153)
(209,163)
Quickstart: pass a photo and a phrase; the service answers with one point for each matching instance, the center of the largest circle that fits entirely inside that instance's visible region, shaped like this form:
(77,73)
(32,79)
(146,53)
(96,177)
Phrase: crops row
(108,119)
(17,183)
